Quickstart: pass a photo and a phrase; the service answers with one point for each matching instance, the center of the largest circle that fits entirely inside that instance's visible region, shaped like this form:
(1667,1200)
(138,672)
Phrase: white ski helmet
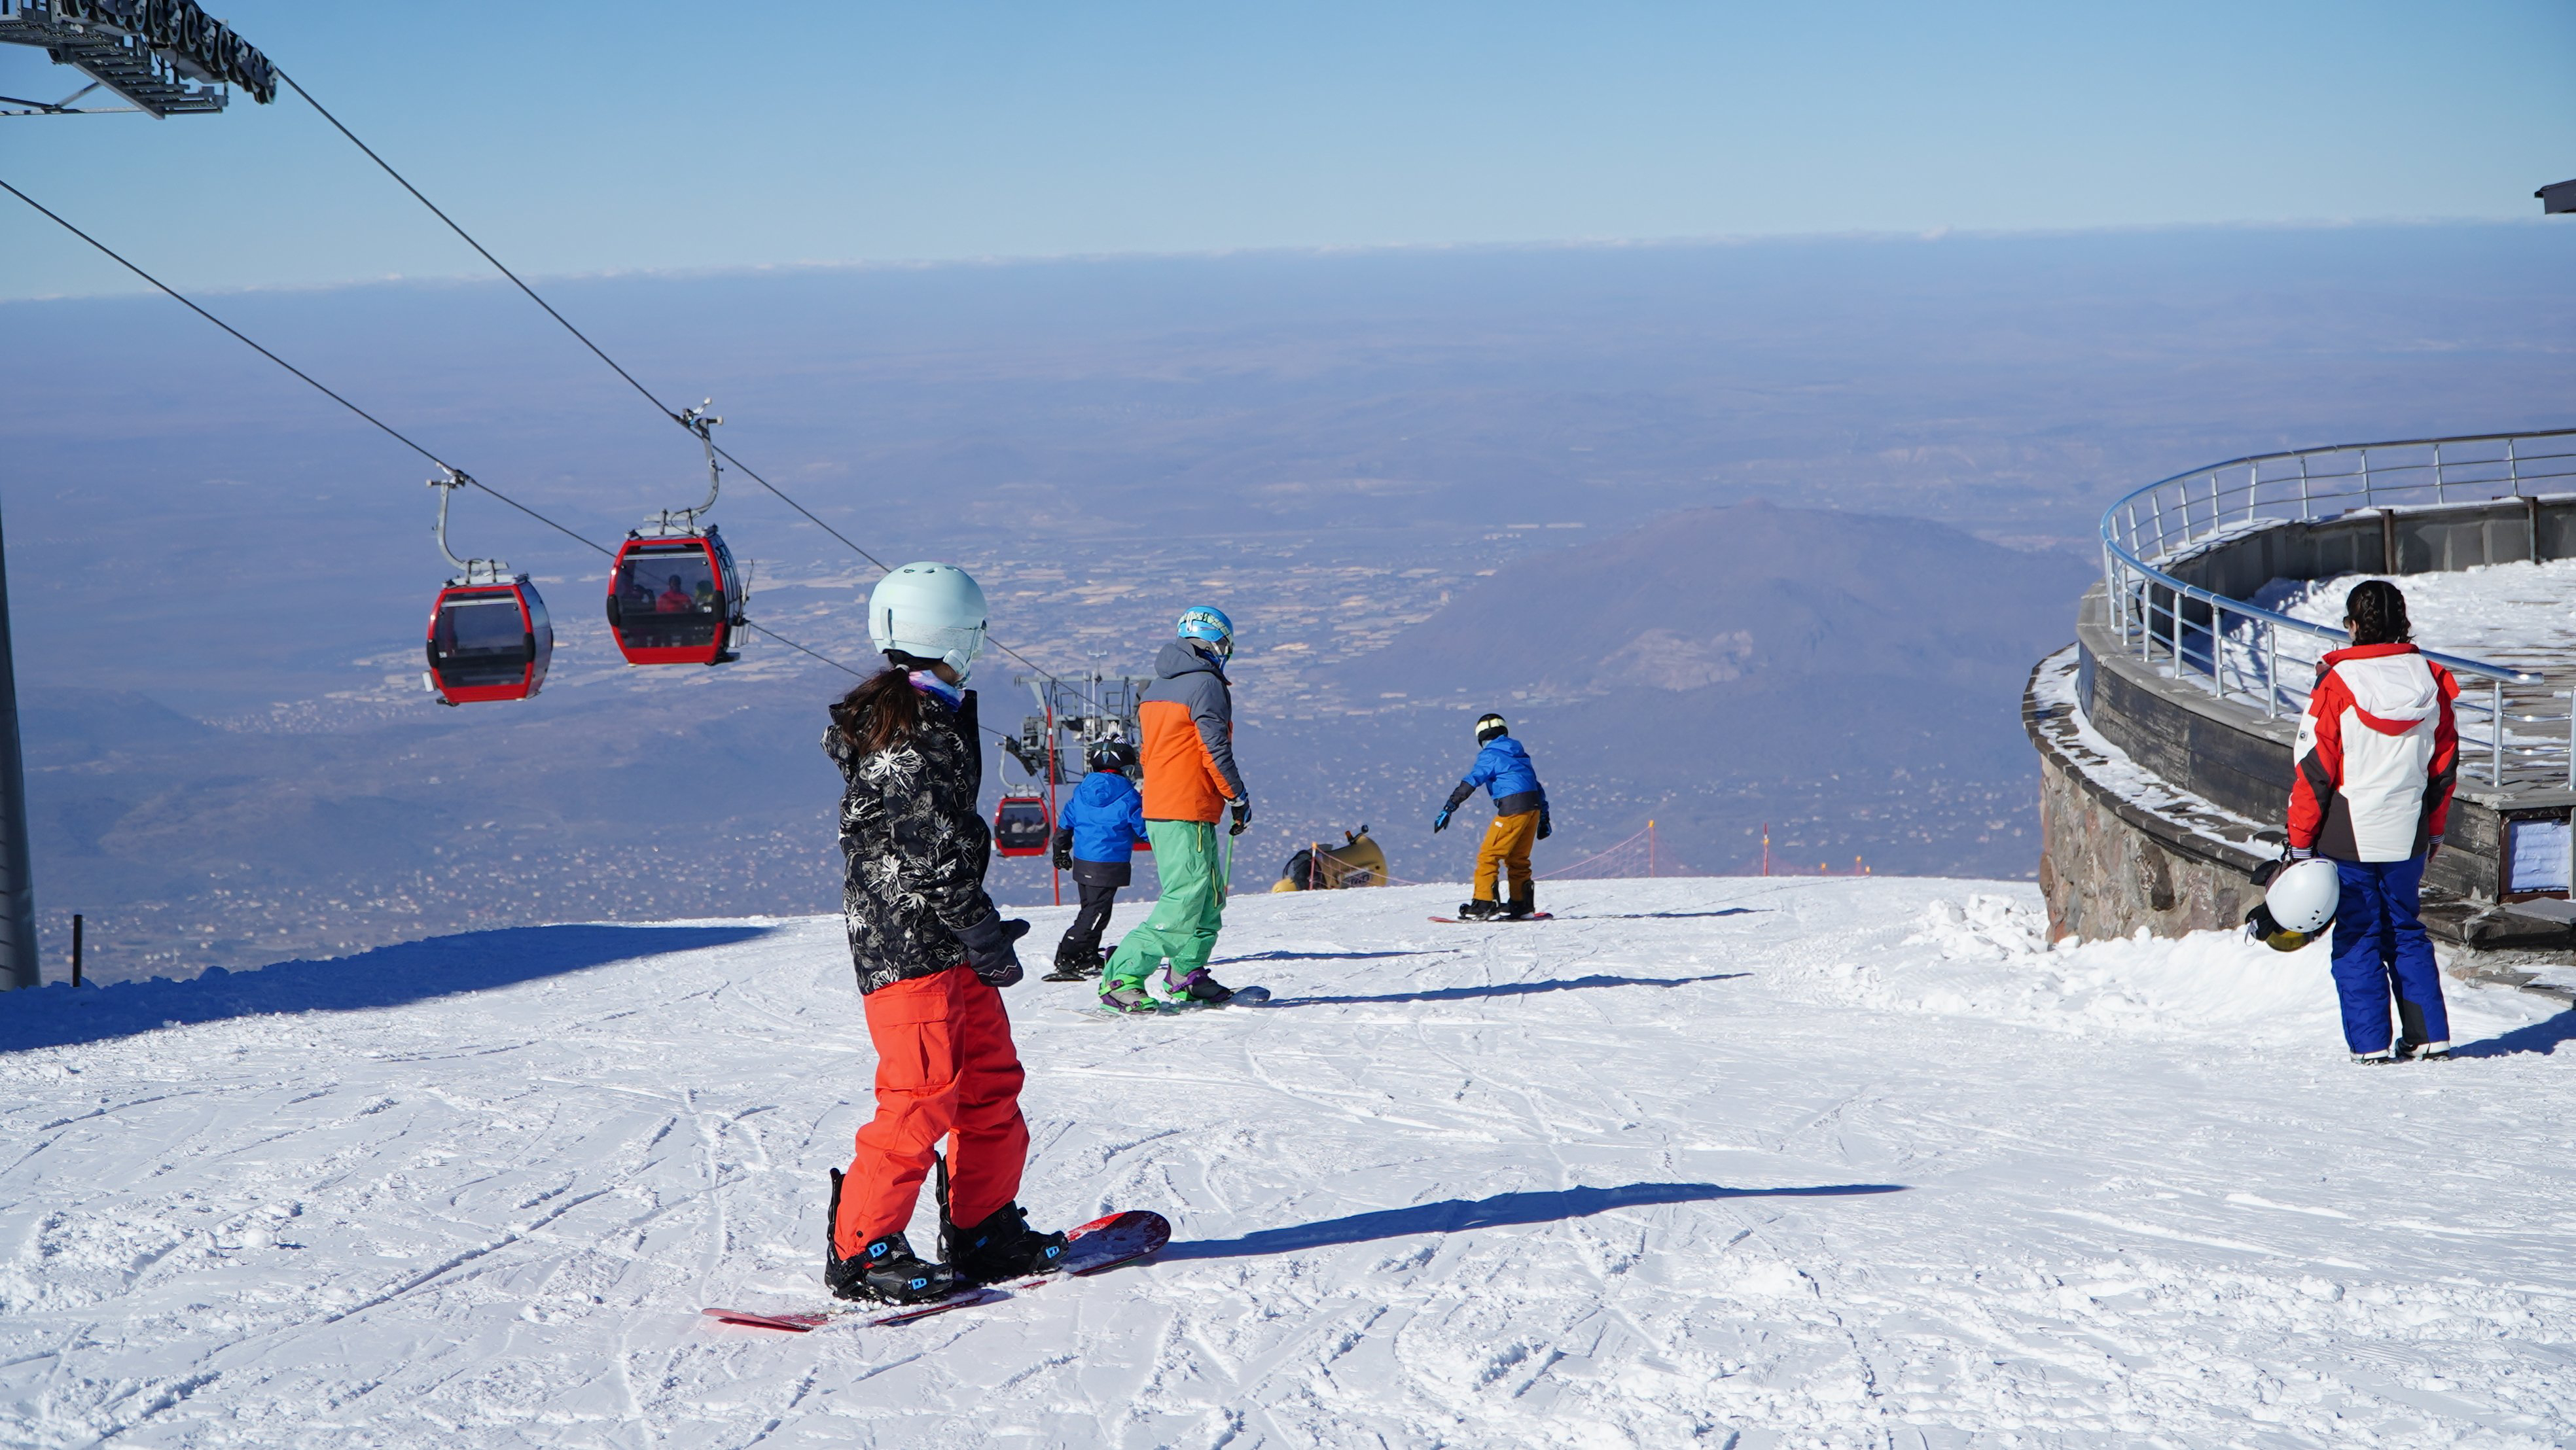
(931,612)
(2299,905)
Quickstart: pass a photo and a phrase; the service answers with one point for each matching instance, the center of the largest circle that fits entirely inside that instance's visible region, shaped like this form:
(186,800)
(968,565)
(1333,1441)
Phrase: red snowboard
(1103,1243)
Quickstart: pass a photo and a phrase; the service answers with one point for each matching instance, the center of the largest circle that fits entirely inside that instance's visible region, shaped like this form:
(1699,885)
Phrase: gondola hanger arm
(702,423)
(490,570)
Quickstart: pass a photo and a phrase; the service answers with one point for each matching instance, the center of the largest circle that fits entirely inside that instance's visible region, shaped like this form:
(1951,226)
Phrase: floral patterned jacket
(915,845)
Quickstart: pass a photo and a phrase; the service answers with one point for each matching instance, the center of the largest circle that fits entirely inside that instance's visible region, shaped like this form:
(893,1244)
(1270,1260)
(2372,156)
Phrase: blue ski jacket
(1106,816)
(1504,770)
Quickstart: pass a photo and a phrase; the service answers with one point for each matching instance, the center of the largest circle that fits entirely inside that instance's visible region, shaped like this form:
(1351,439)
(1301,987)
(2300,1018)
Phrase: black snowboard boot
(1074,960)
(1002,1247)
(1479,910)
(887,1270)
(1523,906)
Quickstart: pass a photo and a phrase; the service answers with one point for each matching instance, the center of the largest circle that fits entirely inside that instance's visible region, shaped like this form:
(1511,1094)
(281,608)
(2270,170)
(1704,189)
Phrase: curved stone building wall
(2157,799)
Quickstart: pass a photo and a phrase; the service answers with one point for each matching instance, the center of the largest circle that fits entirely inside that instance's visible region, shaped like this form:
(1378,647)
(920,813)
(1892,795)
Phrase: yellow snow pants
(1507,844)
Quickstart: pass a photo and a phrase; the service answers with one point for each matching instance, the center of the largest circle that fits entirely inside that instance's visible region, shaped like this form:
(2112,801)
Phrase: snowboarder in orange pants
(930,951)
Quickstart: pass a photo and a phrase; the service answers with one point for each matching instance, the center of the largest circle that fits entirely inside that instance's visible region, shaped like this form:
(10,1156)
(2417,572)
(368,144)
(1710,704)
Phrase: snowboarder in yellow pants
(1520,818)
(1507,845)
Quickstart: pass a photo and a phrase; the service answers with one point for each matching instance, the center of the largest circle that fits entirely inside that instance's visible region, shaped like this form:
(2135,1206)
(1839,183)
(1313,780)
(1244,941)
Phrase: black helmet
(1110,755)
(1489,728)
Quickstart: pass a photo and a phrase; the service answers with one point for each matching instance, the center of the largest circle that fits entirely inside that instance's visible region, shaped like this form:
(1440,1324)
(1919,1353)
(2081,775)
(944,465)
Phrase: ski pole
(1225,883)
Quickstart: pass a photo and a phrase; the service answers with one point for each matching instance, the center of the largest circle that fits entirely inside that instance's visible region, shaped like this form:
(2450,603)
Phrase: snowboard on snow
(1243,997)
(1499,920)
(1100,1245)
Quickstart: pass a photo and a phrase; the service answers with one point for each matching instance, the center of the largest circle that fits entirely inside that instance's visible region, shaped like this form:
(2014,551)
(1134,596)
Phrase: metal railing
(2516,728)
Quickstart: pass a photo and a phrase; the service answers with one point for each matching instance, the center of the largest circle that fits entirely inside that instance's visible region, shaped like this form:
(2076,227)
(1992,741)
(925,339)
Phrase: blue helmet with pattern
(1206,624)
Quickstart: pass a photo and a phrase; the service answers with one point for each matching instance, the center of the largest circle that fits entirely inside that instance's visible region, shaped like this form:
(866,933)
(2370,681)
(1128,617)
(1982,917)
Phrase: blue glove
(1440,822)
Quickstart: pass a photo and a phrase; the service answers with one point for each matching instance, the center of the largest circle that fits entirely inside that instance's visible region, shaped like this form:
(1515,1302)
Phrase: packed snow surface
(1736,1162)
(2522,614)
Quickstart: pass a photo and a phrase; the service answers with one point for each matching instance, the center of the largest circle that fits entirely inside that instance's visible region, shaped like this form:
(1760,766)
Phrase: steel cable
(380,424)
(658,405)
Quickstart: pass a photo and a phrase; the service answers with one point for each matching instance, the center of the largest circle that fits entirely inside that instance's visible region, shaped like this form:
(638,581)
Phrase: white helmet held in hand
(2298,906)
(931,612)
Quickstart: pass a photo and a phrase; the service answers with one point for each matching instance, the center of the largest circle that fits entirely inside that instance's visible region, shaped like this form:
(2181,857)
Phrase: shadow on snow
(1456,1215)
(59,1015)
(1662,915)
(1501,989)
(2542,1037)
(1329,956)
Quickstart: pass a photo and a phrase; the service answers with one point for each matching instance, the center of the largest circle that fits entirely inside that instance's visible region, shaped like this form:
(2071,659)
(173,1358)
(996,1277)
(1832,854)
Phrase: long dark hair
(882,711)
(2376,610)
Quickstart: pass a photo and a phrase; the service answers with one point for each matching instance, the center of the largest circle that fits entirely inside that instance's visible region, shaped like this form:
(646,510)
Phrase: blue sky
(655,135)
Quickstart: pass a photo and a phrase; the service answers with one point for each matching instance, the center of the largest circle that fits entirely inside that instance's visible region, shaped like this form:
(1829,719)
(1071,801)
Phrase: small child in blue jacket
(1100,825)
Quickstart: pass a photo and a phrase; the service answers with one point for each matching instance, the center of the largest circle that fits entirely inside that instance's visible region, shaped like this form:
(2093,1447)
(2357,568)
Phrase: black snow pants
(1089,922)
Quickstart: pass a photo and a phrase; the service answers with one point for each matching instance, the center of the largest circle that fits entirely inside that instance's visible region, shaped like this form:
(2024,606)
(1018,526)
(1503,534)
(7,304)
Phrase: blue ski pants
(2380,949)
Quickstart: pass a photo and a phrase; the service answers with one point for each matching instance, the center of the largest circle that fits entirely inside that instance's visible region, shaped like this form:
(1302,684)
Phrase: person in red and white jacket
(2378,753)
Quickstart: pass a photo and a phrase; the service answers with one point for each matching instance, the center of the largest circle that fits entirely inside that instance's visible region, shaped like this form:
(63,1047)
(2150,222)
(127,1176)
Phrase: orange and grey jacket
(1187,719)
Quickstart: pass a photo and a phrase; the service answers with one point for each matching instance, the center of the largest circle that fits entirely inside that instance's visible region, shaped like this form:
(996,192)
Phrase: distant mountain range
(1852,679)
(1710,598)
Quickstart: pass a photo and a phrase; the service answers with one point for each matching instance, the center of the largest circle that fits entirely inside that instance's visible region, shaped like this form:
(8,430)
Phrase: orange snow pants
(945,1069)
(1506,848)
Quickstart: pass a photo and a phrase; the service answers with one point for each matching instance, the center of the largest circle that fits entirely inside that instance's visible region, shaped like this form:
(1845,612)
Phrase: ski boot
(2411,1051)
(1119,994)
(1197,989)
(1521,907)
(1002,1247)
(1479,910)
(887,1270)
(2373,1059)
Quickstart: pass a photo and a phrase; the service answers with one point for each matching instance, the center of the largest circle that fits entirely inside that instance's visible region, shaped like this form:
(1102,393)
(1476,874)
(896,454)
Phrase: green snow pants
(1184,923)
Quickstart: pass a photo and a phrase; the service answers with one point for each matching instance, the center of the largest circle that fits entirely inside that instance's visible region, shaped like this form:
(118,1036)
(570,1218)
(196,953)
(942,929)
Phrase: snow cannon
(2298,904)
(1358,861)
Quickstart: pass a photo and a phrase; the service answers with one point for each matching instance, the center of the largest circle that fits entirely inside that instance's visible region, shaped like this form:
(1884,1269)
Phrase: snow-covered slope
(1744,1162)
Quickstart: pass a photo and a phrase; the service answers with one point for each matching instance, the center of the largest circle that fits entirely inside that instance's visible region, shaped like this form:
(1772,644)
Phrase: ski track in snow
(1725,1161)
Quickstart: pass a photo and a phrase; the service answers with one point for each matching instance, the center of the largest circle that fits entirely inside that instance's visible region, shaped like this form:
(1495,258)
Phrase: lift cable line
(380,424)
(682,418)
(497,265)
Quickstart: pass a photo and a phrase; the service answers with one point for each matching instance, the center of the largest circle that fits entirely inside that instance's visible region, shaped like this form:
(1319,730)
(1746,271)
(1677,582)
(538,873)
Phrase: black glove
(1064,850)
(2264,873)
(989,949)
(1546,827)
(1242,817)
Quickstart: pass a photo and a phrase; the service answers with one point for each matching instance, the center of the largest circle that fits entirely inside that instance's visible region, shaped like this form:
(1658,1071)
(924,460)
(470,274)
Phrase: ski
(1103,1244)
(1481,921)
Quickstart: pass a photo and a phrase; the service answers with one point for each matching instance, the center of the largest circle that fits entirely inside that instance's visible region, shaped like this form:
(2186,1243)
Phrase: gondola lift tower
(163,58)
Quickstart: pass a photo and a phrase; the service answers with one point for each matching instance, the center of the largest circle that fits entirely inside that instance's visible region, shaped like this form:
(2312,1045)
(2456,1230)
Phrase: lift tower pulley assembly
(165,57)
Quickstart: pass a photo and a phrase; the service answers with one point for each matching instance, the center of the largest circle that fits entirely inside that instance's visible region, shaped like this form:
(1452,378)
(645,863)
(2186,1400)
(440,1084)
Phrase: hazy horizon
(220,577)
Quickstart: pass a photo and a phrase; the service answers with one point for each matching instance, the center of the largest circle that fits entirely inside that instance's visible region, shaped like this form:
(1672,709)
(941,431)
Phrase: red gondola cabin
(675,600)
(1020,826)
(489,642)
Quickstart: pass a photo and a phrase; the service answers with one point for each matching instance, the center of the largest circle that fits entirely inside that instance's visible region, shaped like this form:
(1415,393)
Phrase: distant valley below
(1736,535)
